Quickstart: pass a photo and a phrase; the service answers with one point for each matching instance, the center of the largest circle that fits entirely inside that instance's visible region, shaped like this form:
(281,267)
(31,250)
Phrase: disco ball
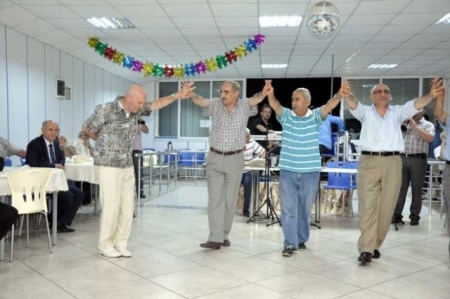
(323,18)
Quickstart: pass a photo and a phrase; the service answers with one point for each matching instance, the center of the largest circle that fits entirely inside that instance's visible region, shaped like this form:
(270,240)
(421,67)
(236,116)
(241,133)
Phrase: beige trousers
(117,203)
(379,181)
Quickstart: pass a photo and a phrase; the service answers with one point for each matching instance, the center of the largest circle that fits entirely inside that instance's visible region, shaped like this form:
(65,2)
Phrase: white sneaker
(110,253)
(124,252)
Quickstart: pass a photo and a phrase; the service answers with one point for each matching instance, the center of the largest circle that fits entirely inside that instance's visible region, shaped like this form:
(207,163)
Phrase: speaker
(60,88)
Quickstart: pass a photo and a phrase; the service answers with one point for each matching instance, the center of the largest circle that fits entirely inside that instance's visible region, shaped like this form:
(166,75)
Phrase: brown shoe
(226,243)
(211,245)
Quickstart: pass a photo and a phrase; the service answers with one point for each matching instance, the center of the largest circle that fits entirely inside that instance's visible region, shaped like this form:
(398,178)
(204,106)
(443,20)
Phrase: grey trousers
(414,171)
(224,175)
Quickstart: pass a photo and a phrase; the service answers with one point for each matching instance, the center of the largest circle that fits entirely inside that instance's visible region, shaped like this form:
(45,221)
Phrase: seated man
(251,151)
(81,145)
(8,215)
(44,151)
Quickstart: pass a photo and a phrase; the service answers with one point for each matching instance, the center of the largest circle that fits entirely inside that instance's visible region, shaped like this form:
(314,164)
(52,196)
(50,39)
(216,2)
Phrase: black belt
(226,153)
(422,156)
(447,162)
(381,154)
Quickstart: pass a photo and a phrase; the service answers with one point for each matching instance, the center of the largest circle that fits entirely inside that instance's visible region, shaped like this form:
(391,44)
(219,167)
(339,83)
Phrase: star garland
(179,71)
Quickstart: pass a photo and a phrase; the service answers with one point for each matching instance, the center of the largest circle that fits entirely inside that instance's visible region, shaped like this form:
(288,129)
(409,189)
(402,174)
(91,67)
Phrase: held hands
(345,90)
(186,91)
(436,88)
(268,88)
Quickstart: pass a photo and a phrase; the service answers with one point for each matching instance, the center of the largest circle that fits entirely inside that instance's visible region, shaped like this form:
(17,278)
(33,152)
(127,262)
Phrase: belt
(226,153)
(447,162)
(423,156)
(381,154)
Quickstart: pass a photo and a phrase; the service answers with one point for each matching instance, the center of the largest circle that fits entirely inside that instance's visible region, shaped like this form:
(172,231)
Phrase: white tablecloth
(82,172)
(58,181)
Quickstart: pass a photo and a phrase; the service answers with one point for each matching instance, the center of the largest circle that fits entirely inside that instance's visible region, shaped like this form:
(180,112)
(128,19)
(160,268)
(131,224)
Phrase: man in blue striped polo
(299,162)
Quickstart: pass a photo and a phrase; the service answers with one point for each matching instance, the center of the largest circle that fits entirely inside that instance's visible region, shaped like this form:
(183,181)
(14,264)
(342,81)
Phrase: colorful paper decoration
(177,71)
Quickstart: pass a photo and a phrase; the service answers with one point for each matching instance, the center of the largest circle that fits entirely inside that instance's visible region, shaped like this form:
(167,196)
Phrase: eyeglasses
(380,91)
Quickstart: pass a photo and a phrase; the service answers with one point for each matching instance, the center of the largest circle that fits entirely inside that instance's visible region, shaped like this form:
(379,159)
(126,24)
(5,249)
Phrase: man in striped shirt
(300,162)
(251,151)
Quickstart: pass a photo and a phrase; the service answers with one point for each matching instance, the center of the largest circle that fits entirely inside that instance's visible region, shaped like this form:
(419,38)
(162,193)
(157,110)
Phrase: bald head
(50,130)
(135,98)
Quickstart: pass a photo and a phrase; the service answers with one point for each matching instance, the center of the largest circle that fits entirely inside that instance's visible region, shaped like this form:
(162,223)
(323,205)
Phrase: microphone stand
(270,210)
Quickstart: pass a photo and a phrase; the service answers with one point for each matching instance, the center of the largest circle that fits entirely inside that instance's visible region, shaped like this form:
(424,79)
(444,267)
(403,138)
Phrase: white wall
(28,72)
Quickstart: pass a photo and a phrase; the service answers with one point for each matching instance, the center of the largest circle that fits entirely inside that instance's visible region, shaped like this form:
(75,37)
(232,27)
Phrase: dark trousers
(8,215)
(140,184)
(68,204)
(86,188)
(246,181)
(413,171)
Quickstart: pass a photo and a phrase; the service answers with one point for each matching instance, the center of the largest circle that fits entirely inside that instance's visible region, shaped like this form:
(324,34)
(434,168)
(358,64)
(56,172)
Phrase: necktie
(52,154)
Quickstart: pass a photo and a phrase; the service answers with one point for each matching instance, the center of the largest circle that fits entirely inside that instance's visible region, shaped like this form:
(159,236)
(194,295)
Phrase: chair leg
(12,244)
(48,233)
(21,225)
(28,230)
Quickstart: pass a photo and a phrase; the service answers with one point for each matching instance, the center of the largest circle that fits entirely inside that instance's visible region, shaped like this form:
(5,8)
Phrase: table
(83,172)
(58,182)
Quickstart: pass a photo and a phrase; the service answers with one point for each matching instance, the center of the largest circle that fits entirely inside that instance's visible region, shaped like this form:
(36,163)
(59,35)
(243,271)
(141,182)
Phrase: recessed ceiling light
(274,66)
(111,23)
(382,66)
(444,20)
(280,21)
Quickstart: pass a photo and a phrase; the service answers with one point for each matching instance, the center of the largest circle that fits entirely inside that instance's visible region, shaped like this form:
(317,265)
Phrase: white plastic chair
(28,196)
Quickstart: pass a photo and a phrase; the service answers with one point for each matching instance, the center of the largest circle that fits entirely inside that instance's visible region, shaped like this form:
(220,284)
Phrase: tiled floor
(168,262)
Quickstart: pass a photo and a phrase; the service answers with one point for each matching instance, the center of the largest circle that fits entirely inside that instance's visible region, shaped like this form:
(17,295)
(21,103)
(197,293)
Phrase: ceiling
(183,31)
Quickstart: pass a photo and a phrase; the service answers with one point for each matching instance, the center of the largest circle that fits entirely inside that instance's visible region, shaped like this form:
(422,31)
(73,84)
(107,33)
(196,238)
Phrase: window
(183,118)
(402,90)
(361,90)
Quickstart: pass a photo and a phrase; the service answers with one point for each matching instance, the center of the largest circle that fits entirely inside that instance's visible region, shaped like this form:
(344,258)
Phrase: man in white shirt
(380,166)
(251,151)
(81,145)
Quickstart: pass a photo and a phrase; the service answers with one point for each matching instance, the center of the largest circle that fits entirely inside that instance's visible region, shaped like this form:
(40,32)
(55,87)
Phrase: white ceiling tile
(187,10)
(85,34)
(351,38)
(239,10)
(84,2)
(50,11)
(276,31)
(428,6)
(14,15)
(71,23)
(243,32)
(358,20)
(54,37)
(71,45)
(132,2)
(276,9)
(441,29)
(5,3)
(427,38)
(402,29)
(161,32)
(380,45)
(141,11)
(237,22)
(360,30)
(41,2)
(152,22)
(381,7)
(416,19)
(35,27)
(391,38)
(205,33)
(194,22)
(99,11)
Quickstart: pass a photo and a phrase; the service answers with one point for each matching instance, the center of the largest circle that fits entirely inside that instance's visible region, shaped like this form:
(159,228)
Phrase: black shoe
(414,222)
(288,251)
(376,254)
(211,245)
(64,229)
(143,195)
(246,213)
(365,257)
(301,246)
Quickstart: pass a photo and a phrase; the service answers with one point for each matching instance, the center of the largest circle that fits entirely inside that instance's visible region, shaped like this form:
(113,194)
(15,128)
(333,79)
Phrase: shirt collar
(308,113)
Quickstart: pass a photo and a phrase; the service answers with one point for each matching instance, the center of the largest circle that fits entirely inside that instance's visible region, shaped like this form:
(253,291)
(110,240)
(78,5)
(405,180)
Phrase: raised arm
(273,102)
(336,99)
(259,96)
(439,107)
(436,90)
(183,93)
(198,100)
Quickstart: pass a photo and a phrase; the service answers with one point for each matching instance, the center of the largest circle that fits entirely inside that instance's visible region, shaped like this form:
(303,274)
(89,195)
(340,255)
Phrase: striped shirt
(228,129)
(251,151)
(414,144)
(300,145)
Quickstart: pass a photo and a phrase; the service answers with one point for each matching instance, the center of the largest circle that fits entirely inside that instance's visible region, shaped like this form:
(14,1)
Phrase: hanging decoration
(177,71)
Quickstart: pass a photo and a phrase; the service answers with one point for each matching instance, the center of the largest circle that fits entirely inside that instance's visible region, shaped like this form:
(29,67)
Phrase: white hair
(305,92)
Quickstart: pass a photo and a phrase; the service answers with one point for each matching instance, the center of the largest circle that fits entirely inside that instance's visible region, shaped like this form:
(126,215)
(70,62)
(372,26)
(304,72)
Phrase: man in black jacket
(44,151)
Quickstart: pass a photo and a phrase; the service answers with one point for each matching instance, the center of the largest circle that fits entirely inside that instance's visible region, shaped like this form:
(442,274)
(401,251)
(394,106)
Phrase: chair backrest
(8,162)
(342,180)
(186,157)
(28,189)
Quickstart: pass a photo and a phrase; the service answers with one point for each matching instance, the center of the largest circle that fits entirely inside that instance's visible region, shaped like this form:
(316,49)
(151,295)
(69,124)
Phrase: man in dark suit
(44,151)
